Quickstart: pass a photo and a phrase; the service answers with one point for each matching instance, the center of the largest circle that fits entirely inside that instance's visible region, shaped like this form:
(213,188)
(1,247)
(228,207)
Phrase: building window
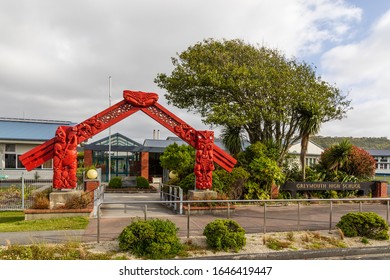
(48,164)
(10,160)
(10,148)
(10,156)
(383,159)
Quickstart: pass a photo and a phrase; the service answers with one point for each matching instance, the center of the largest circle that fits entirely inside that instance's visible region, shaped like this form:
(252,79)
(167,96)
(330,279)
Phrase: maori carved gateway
(62,148)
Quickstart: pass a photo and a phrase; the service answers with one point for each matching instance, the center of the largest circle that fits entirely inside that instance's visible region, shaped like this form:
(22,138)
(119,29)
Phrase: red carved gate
(62,148)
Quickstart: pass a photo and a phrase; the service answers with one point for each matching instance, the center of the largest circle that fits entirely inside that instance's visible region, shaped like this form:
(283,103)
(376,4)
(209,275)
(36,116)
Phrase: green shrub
(152,239)
(142,182)
(225,234)
(364,224)
(115,182)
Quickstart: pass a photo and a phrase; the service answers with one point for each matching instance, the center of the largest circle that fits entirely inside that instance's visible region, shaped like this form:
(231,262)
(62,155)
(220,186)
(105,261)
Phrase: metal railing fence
(264,218)
(173,196)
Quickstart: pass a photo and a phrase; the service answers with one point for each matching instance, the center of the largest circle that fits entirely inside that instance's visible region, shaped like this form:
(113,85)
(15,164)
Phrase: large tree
(232,83)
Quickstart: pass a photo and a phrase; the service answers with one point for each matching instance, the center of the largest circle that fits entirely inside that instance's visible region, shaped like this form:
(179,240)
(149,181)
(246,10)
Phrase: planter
(130,190)
(36,214)
(200,210)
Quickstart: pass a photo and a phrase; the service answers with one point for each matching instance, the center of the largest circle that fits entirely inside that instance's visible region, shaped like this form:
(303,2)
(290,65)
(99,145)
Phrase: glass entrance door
(119,166)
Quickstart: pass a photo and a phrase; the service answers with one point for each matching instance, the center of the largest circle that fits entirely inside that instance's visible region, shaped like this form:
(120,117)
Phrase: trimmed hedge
(142,182)
(151,239)
(115,182)
(364,224)
(225,234)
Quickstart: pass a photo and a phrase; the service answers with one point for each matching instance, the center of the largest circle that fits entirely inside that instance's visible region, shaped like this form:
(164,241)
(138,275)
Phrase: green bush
(142,182)
(115,182)
(225,234)
(152,239)
(364,224)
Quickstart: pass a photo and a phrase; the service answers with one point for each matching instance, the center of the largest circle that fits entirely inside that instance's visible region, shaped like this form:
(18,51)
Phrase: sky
(56,56)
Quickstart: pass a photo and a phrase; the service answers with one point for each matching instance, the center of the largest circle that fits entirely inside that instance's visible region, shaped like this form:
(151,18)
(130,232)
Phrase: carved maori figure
(65,158)
(204,163)
(139,98)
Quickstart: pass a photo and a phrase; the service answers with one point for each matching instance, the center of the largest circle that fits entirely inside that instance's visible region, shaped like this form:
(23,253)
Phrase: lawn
(11,221)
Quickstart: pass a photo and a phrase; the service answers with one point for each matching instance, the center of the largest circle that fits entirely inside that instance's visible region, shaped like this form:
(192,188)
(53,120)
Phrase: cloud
(56,56)
(362,68)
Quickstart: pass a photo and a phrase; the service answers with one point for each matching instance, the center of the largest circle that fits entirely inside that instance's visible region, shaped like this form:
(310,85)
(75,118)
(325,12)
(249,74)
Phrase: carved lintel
(139,98)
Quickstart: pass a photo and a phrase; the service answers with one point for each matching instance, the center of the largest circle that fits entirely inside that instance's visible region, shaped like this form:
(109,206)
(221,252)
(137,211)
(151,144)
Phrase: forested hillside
(367,143)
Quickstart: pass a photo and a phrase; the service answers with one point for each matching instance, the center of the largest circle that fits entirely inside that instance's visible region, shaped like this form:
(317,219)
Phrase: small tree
(179,158)
(261,162)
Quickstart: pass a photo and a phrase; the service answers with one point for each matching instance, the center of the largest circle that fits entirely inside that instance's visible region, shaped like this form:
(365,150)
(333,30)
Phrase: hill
(367,143)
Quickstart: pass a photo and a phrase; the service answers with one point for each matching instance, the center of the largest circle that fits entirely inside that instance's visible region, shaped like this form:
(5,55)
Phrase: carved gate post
(204,162)
(65,158)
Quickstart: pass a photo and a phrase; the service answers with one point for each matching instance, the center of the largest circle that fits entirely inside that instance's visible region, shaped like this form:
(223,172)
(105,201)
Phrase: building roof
(29,129)
(159,145)
(379,153)
(119,142)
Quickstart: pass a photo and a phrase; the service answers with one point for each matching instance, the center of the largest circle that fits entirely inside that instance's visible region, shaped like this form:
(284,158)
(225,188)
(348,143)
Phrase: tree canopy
(235,84)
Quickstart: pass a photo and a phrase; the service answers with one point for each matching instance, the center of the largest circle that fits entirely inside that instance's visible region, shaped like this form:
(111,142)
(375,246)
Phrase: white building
(18,136)
(382,158)
(313,153)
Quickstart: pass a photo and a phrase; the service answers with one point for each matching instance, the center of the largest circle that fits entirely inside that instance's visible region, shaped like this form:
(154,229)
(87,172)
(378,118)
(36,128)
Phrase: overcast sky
(56,56)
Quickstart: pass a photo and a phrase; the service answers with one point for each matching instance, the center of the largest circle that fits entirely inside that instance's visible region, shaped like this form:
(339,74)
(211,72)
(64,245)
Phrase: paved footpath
(114,218)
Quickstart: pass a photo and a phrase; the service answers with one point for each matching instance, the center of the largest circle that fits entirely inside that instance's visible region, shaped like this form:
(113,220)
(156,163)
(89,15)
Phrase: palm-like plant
(309,124)
(233,138)
(339,155)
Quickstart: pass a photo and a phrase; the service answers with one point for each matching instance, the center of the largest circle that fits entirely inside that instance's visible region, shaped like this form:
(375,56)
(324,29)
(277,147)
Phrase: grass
(14,221)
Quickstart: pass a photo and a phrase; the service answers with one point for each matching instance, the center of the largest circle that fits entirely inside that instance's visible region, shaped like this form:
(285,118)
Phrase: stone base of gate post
(59,198)
(202,195)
